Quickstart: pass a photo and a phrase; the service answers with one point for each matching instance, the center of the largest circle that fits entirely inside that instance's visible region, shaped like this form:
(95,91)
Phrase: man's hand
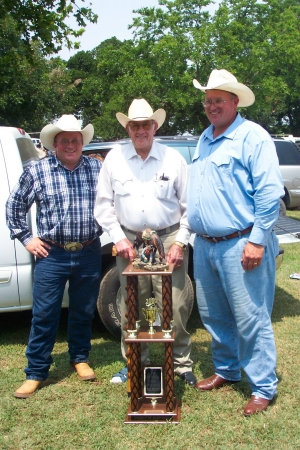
(38,248)
(252,256)
(175,256)
(125,249)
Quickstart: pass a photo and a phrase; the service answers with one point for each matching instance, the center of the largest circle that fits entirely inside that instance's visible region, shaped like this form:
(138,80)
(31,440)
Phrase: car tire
(282,208)
(108,303)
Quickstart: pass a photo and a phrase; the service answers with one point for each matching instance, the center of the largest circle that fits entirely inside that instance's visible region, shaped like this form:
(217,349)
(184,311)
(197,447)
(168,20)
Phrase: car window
(27,151)
(185,147)
(288,153)
(184,151)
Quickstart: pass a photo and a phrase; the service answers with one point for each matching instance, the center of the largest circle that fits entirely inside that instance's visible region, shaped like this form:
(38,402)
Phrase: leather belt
(72,246)
(229,236)
(159,232)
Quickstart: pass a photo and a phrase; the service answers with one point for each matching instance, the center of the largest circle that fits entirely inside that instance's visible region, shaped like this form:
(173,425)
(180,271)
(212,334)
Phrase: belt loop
(239,234)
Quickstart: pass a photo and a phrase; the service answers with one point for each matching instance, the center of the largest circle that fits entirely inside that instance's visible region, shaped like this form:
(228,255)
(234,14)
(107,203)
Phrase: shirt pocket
(163,189)
(54,197)
(89,192)
(221,169)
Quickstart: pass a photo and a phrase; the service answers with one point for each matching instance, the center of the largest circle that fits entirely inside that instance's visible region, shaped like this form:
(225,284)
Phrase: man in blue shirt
(234,192)
(67,247)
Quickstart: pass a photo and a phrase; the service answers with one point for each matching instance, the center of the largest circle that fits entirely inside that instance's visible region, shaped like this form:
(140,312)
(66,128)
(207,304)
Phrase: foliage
(258,41)
(33,88)
(45,22)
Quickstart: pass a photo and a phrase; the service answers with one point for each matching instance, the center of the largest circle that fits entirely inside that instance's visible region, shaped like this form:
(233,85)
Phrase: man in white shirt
(143,185)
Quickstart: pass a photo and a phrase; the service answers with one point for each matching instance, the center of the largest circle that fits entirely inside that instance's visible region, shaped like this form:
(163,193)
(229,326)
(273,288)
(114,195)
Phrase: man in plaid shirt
(67,247)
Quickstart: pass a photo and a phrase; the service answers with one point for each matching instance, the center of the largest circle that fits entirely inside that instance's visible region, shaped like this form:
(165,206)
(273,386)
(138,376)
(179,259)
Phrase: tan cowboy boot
(84,372)
(29,388)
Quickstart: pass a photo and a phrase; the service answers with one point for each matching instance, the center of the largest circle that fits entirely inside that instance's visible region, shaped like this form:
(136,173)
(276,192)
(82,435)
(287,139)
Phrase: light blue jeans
(235,307)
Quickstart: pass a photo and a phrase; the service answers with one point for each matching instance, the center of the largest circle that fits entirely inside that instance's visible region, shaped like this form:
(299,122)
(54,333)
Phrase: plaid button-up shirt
(64,199)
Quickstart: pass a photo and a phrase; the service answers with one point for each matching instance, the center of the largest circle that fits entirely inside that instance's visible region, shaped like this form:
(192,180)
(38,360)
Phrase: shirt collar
(56,162)
(130,151)
(228,133)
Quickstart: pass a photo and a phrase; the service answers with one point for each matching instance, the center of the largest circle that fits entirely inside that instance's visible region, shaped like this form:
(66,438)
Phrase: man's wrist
(180,244)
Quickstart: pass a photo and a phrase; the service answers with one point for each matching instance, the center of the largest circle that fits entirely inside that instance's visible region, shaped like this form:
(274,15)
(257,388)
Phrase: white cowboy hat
(141,110)
(67,122)
(225,81)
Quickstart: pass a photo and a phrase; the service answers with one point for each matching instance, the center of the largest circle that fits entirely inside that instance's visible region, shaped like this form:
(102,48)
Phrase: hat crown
(225,81)
(219,77)
(68,122)
(139,109)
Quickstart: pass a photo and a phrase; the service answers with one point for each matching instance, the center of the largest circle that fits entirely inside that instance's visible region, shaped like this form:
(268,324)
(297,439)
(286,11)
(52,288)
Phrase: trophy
(151,244)
(167,334)
(150,313)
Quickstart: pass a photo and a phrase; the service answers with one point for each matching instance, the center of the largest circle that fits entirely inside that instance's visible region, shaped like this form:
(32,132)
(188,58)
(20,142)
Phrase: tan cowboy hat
(141,110)
(67,122)
(225,81)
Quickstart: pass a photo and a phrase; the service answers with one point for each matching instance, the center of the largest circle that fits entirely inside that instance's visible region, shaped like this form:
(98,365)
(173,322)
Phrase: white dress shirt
(142,194)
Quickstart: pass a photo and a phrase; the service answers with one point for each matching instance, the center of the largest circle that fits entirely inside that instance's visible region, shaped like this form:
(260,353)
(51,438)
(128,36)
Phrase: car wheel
(282,209)
(108,303)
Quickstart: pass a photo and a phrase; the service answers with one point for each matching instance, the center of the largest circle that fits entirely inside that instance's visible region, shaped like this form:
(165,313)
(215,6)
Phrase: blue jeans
(235,307)
(82,269)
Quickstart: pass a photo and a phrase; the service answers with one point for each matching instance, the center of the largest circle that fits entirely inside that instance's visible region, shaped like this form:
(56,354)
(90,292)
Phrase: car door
(9,292)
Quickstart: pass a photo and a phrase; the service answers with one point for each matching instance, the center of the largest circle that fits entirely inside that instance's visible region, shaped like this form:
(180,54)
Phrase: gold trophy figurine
(150,313)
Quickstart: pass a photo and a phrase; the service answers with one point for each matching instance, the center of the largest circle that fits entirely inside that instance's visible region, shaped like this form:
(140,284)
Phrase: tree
(44,22)
(258,41)
(33,89)
(172,37)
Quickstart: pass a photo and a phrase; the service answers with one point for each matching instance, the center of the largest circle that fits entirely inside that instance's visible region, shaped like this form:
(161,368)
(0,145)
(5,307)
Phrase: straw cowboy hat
(141,110)
(67,122)
(225,81)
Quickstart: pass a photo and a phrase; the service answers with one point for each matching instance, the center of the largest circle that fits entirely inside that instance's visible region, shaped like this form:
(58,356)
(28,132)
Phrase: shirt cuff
(183,236)
(259,236)
(117,234)
(25,238)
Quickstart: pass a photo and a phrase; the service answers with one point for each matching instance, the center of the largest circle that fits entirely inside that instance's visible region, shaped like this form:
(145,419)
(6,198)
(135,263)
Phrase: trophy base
(153,412)
(156,267)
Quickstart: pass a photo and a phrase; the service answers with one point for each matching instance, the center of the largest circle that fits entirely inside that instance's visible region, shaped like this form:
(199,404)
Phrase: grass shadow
(285,305)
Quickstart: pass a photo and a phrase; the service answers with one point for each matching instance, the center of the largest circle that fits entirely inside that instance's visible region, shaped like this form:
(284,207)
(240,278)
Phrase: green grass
(70,414)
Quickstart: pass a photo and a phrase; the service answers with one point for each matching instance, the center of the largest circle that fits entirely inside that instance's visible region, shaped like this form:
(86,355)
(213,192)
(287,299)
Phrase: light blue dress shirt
(235,182)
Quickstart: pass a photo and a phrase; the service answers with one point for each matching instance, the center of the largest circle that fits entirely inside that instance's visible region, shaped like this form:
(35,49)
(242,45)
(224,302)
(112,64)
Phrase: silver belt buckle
(73,247)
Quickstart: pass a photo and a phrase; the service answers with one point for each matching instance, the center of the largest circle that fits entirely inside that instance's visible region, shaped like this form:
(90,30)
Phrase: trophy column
(169,363)
(154,403)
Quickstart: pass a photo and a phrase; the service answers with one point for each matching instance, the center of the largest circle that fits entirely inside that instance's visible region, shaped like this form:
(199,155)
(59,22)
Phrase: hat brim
(49,132)
(159,116)
(245,95)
